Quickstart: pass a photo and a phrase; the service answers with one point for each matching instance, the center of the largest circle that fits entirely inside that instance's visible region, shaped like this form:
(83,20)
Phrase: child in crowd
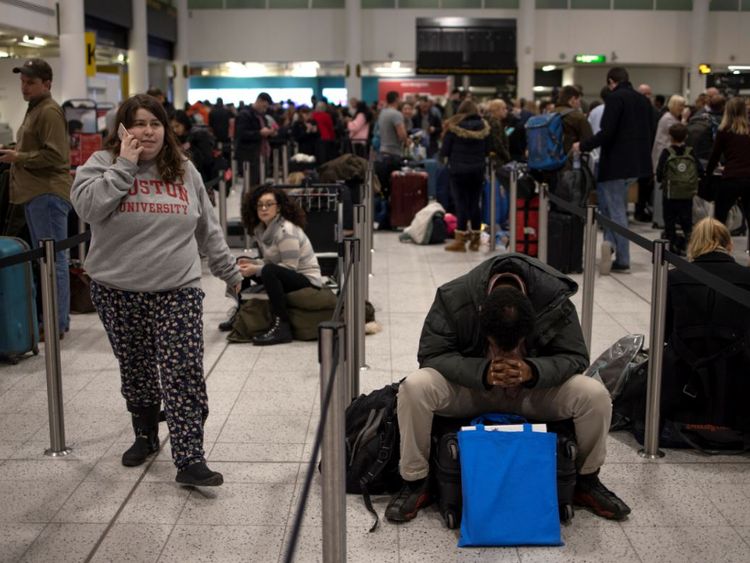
(679,171)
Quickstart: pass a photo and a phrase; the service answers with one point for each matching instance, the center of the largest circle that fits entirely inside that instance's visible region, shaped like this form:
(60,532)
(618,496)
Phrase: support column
(138,50)
(698,50)
(353,57)
(182,56)
(525,26)
(72,78)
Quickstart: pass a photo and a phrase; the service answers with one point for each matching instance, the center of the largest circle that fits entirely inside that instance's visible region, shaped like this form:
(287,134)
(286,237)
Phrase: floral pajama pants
(158,340)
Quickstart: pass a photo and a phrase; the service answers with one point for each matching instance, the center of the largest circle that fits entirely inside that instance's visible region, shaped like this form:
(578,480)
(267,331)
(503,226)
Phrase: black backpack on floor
(372,446)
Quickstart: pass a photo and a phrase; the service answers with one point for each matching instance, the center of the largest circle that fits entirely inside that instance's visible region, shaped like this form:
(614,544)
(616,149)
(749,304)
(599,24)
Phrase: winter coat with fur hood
(466,144)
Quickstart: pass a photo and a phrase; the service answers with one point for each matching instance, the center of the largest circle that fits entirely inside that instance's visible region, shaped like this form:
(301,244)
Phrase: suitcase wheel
(572,450)
(453,450)
(450,520)
(566,513)
(35,350)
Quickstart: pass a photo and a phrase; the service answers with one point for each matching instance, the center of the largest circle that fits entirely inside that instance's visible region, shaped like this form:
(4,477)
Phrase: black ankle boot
(199,475)
(146,427)
(279,333)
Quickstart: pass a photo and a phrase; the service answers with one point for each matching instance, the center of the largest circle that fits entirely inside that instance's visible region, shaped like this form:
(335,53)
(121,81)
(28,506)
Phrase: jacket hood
(546,287)
(473,127)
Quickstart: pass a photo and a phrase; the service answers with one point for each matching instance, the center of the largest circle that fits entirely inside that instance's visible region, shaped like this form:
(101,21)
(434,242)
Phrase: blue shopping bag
(508,481)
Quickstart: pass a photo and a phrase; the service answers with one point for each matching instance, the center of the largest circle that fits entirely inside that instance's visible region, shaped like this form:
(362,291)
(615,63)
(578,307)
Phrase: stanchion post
(656,347)
(493,206)
(276,165)
(285,161)
(245,178)
(543,222)
(235,168)
(360,217)
(589,275)
(333,463)
(262,169)
(370,203)
(351,314)
(52,352)
(513,208)
(340,238)
(223,204)
(82,244)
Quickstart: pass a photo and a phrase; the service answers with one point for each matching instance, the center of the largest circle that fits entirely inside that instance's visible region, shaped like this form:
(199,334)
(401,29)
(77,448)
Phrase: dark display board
(466,46)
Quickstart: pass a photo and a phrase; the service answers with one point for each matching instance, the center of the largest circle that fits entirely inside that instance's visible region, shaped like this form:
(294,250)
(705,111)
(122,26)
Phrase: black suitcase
(567,451)
(445,467)
(565,243)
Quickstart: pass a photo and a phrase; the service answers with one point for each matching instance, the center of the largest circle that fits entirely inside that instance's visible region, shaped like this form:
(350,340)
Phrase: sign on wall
(414,87)
(90,53)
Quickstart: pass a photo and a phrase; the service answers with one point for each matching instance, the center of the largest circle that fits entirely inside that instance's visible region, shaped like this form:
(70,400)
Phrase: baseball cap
(35,68)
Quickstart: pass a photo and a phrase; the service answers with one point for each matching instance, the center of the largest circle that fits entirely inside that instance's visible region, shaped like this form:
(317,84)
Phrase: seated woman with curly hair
(275,223)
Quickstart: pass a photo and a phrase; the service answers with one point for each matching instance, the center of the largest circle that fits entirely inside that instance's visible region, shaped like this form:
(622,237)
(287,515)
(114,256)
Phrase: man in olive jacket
(504,337)
(40,173)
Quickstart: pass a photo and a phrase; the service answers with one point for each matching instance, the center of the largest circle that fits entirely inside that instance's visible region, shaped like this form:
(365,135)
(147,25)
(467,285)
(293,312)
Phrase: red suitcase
(408,195)
(527,226)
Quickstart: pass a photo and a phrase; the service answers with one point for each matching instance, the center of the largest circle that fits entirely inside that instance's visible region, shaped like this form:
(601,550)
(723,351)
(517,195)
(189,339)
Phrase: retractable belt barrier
(661,257)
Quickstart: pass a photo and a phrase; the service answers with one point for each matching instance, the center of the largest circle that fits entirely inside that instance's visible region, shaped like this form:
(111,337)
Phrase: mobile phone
(121,131)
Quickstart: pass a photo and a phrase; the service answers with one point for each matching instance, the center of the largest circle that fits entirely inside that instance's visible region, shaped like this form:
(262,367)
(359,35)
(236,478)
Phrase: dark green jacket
(452,344)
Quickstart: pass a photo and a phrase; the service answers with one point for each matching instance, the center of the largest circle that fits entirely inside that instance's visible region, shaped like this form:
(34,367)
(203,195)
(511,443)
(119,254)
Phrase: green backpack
(680,175)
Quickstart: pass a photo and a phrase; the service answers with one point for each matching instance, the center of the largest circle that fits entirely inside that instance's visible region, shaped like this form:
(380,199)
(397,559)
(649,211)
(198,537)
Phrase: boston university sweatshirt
(146,233)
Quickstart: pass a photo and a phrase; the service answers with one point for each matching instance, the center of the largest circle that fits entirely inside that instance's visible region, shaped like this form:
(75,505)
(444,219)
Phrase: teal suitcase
(19,330)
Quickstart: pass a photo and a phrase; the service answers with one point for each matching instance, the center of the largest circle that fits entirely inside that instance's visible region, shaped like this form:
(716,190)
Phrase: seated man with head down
(504,337)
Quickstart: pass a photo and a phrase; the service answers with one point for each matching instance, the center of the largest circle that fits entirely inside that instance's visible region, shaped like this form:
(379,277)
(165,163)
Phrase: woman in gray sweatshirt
(151,219)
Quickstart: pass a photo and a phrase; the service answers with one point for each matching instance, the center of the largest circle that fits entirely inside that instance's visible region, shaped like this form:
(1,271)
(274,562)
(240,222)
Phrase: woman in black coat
(706,371)
(465,145)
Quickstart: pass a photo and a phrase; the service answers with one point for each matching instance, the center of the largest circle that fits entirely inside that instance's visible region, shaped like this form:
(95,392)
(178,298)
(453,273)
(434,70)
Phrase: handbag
(508,481)
(80,292)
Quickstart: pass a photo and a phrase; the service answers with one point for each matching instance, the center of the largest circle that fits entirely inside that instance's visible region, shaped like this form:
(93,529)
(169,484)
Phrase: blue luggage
(19,330)
(502,204)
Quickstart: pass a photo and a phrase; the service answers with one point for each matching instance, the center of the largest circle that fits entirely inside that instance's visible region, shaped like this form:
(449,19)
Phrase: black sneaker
(590,493)
(620,268)
(405,504)
(279,333)
(199,475)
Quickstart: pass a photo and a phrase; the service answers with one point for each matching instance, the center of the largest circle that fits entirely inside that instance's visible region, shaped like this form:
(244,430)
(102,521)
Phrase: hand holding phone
(130,148)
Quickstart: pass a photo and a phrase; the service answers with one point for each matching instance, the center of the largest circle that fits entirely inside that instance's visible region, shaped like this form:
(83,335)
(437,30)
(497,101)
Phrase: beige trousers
(425,392)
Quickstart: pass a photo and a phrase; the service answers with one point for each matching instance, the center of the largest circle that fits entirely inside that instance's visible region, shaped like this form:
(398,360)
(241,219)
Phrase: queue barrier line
(711,280)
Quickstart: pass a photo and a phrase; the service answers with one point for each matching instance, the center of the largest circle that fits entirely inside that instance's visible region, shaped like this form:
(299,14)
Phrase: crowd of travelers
(151,218)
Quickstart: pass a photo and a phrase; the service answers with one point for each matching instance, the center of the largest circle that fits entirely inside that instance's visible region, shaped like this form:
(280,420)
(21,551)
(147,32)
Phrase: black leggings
(467,193)
(729,190)
(278,281)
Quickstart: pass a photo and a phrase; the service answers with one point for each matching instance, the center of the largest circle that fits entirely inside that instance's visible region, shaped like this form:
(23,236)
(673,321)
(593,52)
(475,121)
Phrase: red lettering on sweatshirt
(183,193)
(171,190)
(157,185)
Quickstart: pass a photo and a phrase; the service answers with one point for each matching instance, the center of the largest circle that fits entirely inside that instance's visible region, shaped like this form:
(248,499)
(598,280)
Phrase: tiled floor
(264,411)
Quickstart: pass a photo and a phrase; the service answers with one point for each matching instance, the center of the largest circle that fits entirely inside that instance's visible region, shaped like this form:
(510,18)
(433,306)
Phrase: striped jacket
(287,245)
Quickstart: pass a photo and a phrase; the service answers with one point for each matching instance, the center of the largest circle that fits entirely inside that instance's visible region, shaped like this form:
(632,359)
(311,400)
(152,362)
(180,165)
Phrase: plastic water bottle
(576,161)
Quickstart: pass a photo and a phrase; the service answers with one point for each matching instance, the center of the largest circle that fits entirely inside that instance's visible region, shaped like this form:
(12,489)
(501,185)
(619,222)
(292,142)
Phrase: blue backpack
(544,138)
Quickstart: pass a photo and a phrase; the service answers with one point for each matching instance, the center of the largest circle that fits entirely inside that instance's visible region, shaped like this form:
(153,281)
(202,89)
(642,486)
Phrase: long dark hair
(362,108)
(171,160)
(288,207)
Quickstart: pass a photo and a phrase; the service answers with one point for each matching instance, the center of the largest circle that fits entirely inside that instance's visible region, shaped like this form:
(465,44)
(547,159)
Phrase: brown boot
(474,241)
(459,243)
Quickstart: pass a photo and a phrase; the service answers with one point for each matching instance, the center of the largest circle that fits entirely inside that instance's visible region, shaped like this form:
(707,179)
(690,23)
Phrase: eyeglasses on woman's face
(266,204)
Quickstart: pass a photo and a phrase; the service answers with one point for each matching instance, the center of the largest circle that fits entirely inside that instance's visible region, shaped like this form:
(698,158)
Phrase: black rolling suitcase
(567,451)
(565,242)
(445,467)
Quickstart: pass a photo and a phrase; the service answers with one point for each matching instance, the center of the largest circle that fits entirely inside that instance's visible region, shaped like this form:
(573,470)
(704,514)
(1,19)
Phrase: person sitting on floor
(504,338)
(707,356)
(276,224)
